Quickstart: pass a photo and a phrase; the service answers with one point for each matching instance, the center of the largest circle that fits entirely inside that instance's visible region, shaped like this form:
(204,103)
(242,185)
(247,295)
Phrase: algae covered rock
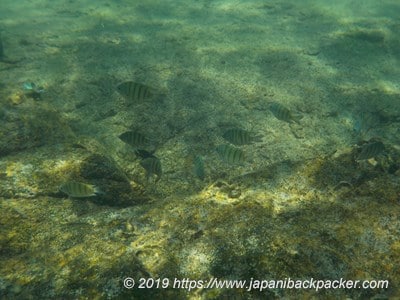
(51,249)
(113,183)
(29,127)
(41,172)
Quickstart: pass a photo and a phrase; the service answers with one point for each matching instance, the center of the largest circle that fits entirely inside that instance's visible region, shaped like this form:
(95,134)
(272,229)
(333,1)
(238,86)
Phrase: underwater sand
(300,206)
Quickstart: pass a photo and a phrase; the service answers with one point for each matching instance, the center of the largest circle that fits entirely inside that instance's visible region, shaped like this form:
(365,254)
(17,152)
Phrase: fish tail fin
(297,117)
(98,191)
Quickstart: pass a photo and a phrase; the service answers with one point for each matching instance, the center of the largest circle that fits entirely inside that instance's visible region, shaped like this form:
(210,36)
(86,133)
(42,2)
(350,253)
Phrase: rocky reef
(245,227)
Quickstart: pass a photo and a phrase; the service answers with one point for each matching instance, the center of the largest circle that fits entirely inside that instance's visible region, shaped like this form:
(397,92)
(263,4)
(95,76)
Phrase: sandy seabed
(300,206)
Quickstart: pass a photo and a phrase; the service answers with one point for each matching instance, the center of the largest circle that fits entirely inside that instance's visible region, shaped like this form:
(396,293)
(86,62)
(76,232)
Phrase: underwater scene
(200,149)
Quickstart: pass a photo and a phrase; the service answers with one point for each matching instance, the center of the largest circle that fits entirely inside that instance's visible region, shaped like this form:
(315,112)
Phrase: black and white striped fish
(283,113)
(134,91)
(141,153)
(152,165)
(371,150)
(238,136)
(76,189)
(133,138)
(230,154)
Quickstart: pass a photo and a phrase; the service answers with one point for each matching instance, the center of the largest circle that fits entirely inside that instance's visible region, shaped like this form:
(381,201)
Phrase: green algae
(207,236)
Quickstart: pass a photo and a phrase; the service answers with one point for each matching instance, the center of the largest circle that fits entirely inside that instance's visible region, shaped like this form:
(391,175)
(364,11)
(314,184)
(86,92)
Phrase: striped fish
(198,167)
(152,165)
(143,153)
(371,150)
(134,91)
(239,136)
(79,190)
(231,154)
(284,114)
(133,138)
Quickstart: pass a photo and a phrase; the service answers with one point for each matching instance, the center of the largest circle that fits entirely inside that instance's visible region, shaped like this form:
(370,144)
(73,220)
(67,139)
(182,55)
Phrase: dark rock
(113,183)
(27,127)
(40,172)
